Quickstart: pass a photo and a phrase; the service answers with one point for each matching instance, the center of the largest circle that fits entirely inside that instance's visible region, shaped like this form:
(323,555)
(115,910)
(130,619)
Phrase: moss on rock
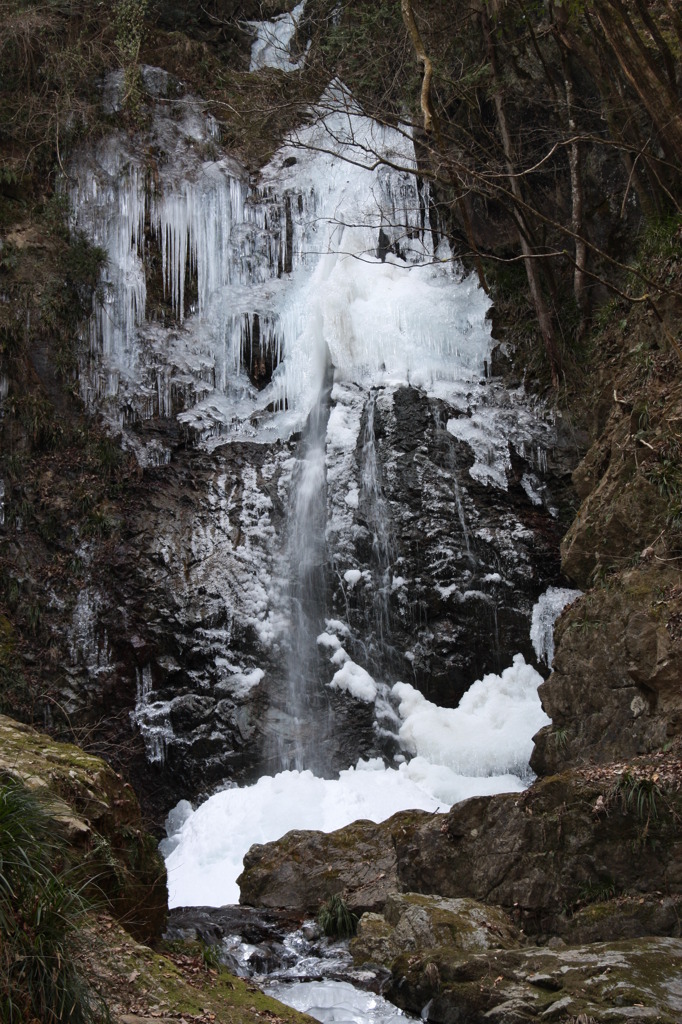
(101,817)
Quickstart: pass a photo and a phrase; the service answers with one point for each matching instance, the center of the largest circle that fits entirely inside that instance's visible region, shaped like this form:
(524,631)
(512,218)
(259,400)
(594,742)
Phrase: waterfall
(379,523)
(308,705)
(336,563)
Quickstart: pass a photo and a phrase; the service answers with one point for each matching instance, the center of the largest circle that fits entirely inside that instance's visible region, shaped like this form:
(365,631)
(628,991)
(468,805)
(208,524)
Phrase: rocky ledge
(564,902)
(636,981)
(569,840)
(561,903)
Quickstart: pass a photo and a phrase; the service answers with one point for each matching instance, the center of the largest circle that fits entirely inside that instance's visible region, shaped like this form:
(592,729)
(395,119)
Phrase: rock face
(622,506)
(439,535)
(618,660)
(101,817)
(187,623)
(440,501)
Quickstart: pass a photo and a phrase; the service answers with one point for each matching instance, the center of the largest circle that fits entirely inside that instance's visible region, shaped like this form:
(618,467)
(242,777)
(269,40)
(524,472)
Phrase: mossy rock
(171,984)
(412,921)
(100,816)
(617,982)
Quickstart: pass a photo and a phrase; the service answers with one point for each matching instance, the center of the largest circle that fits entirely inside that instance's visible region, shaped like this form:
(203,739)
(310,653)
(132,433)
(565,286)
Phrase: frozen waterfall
(332,248)
(293,311)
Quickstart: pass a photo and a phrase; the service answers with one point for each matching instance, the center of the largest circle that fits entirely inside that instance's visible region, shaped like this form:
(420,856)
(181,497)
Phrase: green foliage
(366,43)
(50,54)
(560,738)
(664,470)
(597,891)
(8,176)
(336,920)
(210,957)
(660,240)
(608,313)
(97,524)
(39,908)
(37,418)
(639,796)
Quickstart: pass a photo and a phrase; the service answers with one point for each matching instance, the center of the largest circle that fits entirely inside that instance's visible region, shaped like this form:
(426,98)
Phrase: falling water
(282,268)
(378,521)
(308,707)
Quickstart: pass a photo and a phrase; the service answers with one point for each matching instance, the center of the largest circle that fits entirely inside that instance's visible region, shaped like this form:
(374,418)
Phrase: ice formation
(332,254)
(490,733)
(545,613)
(332,257)
(272,47)
(337,1002)
(480,748)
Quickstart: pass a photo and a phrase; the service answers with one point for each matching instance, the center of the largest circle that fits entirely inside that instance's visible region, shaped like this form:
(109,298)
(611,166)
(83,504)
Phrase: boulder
(412,921)
(301,870)
(619,661)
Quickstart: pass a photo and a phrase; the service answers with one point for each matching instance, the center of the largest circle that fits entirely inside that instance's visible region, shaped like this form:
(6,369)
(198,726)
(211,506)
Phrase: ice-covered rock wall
(222,296)
(225,302)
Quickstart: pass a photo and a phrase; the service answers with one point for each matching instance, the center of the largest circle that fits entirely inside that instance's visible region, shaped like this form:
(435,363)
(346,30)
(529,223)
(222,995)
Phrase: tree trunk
(575,167)
(656,99)
(415,36)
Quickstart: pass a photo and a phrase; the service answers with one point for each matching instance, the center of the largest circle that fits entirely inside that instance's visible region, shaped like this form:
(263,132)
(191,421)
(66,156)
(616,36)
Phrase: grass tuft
(40,906)
(336,920)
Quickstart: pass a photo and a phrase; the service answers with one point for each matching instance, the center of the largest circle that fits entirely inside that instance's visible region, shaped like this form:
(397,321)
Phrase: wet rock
(445,554)
(211,924)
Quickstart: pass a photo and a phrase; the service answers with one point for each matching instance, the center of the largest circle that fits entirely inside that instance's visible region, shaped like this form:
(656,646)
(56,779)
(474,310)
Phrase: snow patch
(354,680)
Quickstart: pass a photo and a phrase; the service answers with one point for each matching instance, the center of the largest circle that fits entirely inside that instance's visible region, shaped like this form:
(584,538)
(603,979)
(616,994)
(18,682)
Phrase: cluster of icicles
(327,255)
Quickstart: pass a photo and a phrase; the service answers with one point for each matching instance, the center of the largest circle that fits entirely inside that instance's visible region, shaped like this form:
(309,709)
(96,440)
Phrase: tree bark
(663,47)
(431,130)
(422,57)
(675,18)
(655,98)
(575,168)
